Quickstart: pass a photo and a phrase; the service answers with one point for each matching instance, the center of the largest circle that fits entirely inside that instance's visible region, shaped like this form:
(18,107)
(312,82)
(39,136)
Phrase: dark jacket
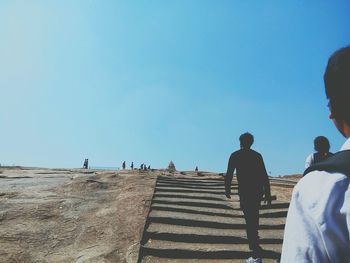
(252,177)
(320,157)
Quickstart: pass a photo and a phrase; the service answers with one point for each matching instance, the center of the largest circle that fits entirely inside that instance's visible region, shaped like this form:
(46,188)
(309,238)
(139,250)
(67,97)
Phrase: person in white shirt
(318,221)
(322,146)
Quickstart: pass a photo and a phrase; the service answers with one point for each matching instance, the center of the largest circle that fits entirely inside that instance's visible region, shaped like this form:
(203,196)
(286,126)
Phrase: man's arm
(229,176)
(265,182)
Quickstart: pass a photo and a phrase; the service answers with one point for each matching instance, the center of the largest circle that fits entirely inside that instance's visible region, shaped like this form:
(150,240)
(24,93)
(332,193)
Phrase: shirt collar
(346,145)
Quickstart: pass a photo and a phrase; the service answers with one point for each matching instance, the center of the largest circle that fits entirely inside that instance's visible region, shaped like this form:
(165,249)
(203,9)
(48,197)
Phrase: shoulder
(310,156)
(256,154)
(323,199)
(236,153)
(309,160)
(319,190)
(322,179)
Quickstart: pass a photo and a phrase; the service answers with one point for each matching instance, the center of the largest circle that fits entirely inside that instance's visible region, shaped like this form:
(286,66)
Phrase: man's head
(246,140)
(337,83)
(321,144)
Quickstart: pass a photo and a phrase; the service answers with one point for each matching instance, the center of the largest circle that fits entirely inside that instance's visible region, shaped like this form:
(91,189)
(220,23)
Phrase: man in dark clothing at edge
(253,183)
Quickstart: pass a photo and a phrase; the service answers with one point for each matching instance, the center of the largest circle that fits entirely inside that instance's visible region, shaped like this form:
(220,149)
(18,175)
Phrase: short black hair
(246,140)
(337,83)
(321,144)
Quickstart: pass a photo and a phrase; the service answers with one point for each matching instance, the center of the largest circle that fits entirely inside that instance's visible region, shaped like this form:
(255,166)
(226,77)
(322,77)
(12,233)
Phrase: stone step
(210,223)
(238,244)
(282,185)
(234,200)
(218,183)
(191,230)
(196,203)
(217,212)
(154,259)
(195,197)
(228,205)
(285,181)
(191,220)
(214,219)
(194,191)
(213,187)
(184,250)
(199,196)
(191,178)
(194,186)
(221,182)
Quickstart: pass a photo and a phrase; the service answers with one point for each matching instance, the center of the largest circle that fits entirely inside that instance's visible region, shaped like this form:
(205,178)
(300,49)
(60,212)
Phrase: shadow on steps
(192,191)
(189,197)
(192,183)
(193,204)
(195,254)
(203,197)
(194,186)
(274,214)
(275,206)
(208,239)
(195,212)
(207,224)
(219,206)
(279,214)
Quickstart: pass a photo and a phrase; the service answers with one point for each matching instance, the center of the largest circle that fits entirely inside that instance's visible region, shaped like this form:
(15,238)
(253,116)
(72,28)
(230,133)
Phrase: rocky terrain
(72,215)
(75,215)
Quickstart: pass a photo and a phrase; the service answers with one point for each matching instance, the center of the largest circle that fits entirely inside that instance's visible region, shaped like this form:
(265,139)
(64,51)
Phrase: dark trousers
(250,207)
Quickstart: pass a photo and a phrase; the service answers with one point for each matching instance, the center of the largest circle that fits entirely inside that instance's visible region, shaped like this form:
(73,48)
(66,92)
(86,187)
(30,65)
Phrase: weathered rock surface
(51,215)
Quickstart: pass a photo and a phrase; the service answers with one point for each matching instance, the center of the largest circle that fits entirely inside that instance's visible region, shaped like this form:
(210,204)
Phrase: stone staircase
(191,220)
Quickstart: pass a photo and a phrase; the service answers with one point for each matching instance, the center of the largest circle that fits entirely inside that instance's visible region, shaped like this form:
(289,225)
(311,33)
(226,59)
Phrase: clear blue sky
(154,81)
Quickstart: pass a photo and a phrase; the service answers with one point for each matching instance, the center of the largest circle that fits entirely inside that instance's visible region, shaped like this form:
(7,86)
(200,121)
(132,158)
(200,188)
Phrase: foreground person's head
(246,140)
(337,83)
(321,144)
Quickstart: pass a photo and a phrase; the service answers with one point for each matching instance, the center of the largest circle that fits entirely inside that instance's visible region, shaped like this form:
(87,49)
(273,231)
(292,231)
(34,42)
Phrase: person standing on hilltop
(132,166)
(253,183)
(318,221)
(322,146)
(86,164)
(124,165)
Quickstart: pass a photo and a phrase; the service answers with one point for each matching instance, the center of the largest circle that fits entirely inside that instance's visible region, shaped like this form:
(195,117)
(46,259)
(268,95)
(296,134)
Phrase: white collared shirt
(318,221)
(309,161)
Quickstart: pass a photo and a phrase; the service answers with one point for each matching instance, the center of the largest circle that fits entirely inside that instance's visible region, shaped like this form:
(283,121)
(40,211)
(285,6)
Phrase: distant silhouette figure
(124,165)
(144,167)
(132,166)
(149,167)
(196,169)
(322,146)
(171,167)
(253,183)
(141,166)
(86,164)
